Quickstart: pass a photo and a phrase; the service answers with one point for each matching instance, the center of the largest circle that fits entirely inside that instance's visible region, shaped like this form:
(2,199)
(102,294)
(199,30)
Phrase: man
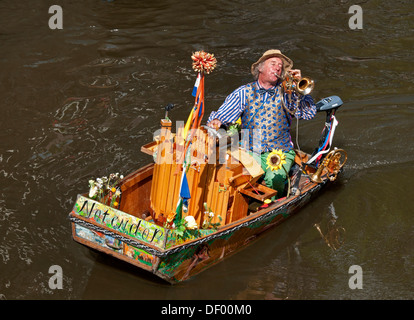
(267,112)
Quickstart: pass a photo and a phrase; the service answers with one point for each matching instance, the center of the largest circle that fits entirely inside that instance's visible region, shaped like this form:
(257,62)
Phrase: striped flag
(192,116)
(193,122)
(196,85)
(184,195)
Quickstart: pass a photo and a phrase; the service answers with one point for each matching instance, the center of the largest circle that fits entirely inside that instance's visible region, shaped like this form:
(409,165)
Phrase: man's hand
(215,124)
(296,73)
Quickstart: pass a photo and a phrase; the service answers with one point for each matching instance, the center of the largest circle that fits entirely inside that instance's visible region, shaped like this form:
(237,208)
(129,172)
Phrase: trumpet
(300,85)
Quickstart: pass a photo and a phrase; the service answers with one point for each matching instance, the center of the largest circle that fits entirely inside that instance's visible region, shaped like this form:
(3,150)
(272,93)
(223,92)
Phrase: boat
(199,200)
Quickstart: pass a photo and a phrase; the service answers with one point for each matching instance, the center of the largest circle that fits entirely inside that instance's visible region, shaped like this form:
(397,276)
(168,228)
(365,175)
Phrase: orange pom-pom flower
(203,61)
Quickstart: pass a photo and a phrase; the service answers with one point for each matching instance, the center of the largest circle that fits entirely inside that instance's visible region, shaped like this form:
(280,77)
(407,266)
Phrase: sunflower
(275,160)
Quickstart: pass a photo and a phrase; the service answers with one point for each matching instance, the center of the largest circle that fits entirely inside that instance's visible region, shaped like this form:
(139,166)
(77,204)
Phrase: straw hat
(287,63)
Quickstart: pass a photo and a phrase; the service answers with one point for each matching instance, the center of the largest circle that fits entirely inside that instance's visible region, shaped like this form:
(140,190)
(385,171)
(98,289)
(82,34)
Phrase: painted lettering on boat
(119,220)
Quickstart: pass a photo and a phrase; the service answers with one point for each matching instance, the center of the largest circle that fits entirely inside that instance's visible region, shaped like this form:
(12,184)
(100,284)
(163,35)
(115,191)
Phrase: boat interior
(224,181)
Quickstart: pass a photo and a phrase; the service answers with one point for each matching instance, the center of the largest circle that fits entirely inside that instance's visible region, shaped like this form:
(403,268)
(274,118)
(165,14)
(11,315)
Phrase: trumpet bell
(305,86)
(302,86)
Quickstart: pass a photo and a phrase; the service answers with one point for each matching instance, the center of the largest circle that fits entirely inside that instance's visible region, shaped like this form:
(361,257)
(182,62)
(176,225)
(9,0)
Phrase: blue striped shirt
(235,104)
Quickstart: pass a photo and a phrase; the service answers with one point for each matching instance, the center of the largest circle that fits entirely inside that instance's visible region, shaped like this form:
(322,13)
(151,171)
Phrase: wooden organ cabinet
(223,178)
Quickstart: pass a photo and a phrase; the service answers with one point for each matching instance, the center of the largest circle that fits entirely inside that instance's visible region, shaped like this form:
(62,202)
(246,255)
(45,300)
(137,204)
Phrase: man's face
(269,68)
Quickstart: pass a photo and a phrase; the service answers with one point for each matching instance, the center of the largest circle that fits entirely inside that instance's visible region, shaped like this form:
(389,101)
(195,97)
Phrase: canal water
(79,102)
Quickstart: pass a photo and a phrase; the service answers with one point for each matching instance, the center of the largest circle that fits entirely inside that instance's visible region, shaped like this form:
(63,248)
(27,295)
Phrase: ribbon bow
(271,92)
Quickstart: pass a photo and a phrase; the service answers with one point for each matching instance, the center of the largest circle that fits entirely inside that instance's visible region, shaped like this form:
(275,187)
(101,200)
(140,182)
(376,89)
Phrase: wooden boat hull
(158,249)
(150,227)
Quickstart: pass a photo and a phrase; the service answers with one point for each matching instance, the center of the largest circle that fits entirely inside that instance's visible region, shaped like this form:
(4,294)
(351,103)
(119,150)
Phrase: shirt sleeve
(232,107)
(306,109)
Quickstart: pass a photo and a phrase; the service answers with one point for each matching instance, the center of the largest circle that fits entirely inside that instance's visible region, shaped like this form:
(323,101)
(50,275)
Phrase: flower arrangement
(234,128)
(106,190)
(208,218)
(187,227)
(184,228)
